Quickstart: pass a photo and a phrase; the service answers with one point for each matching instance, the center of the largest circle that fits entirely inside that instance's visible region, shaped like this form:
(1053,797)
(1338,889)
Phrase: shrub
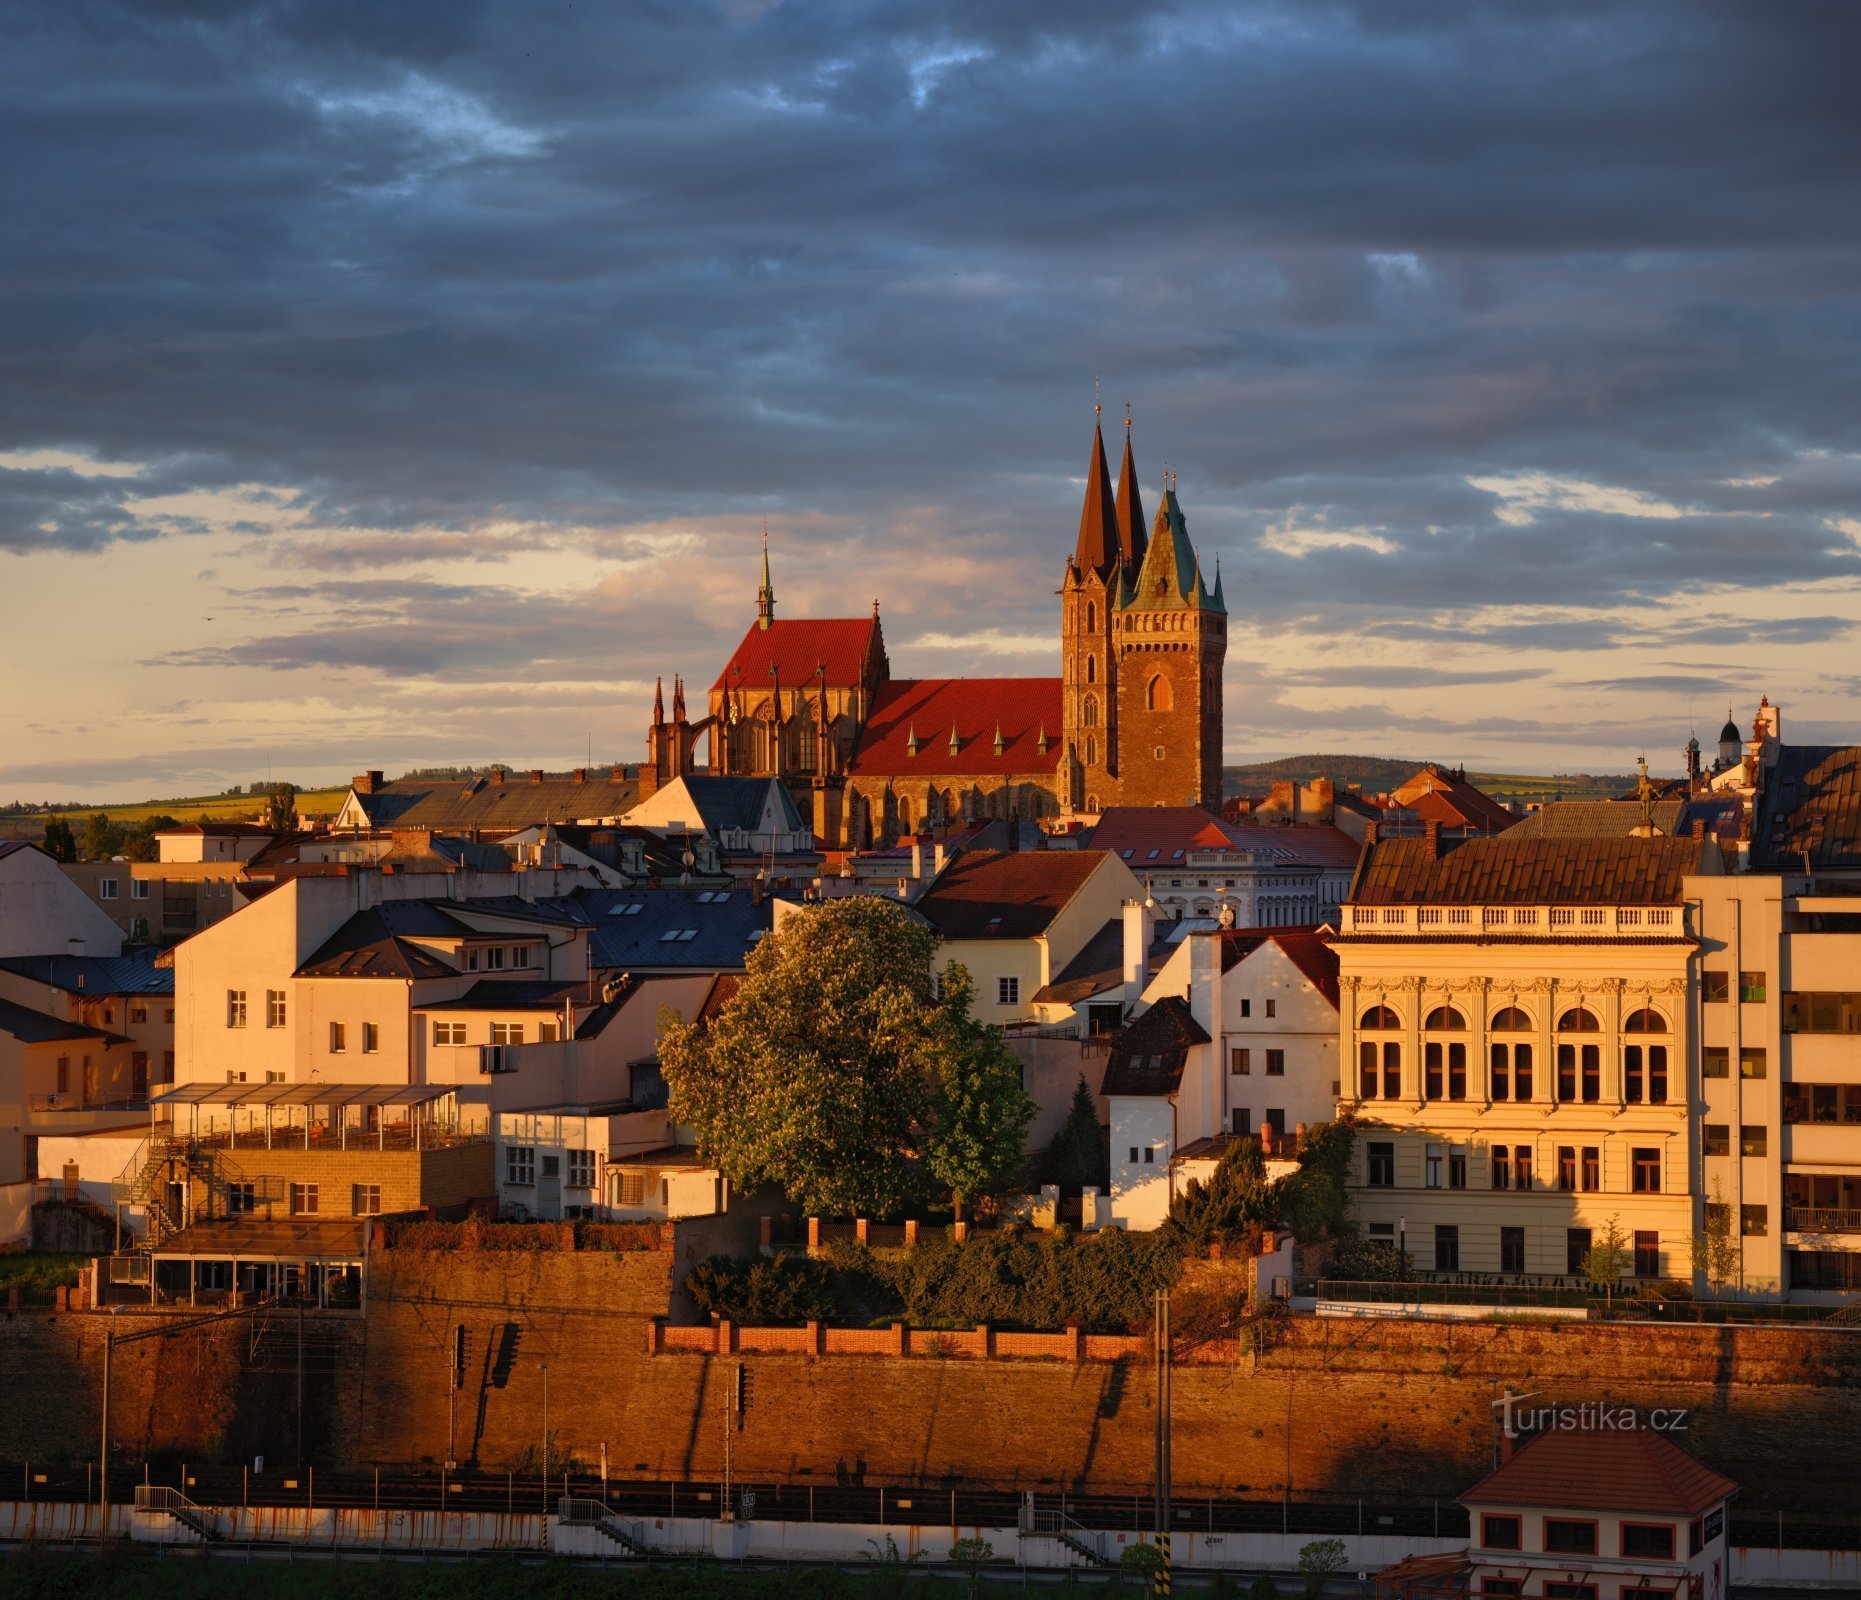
(788,1289)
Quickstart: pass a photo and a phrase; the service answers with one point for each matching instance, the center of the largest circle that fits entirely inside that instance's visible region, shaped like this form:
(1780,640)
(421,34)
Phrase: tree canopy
(836,1074)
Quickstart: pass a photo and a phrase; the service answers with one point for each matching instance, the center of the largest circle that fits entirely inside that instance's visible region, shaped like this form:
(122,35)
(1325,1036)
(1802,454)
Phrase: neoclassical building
(1134,718)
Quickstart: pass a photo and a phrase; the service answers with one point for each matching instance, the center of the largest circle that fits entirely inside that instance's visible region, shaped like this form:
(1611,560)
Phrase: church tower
(1171,641)
(1088,687)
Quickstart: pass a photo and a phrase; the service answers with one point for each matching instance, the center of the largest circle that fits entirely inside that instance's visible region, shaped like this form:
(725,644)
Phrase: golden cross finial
(1096,407)
(1127,415)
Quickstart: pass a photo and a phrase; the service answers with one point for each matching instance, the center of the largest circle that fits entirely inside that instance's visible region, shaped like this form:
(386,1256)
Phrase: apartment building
(1779,1020)
(1515,1042)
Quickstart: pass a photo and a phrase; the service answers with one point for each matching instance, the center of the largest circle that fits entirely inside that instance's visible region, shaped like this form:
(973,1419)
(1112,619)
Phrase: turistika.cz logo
(1520,1419)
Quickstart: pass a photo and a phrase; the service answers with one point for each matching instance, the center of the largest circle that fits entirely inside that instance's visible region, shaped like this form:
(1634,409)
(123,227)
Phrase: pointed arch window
(1092,752)
(1157,695)
(1090,712)
(1092,617)
(1092,669)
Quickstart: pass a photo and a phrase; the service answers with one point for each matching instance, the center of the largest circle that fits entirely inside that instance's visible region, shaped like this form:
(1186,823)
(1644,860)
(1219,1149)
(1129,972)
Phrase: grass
(217,807)
(39,1275)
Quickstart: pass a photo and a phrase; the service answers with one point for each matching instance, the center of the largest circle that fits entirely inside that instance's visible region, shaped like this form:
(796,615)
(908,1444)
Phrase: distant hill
(1378,774)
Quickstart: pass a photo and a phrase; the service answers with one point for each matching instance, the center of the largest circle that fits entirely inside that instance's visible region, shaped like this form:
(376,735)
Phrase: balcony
(1821,1219)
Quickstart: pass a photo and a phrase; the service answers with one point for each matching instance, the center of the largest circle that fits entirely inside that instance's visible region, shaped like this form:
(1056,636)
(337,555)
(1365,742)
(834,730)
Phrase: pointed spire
(1130,510)
(659,702)
(1098,528)
(956,744)
(1042,742)
(678,698)
(911,740)
(1216,602)
(1000,743)
(765,596)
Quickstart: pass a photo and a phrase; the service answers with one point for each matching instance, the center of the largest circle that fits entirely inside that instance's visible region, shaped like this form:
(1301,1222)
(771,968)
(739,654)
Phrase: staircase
(159,1497)
(1082,1541)
(581,1513)
(143,1182)
(1849,1312)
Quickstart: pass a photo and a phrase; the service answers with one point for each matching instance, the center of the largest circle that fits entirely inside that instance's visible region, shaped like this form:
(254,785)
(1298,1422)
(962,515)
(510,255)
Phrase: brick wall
(409,1179)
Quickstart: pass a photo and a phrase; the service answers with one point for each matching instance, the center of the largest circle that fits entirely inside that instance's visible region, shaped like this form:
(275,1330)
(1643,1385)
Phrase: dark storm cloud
(444,271)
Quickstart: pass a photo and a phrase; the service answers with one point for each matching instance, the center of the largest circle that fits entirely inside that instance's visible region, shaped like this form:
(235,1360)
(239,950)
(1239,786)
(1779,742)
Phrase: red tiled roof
(1147,1056)
(1504,870)
(1317,844)
(722,991)
(1606,1469)
(1307,949)
(1020,707)
(798,649)
(1005,894)
(1155,835)
(1437,796)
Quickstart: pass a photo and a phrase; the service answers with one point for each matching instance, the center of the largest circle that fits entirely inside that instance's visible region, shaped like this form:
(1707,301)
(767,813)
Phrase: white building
(42,913)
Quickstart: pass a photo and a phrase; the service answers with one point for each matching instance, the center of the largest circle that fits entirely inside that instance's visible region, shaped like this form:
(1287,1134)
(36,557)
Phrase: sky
(388,385)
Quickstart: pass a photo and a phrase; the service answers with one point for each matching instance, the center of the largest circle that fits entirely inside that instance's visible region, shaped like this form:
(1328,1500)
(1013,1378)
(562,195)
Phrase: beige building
(1515,1043)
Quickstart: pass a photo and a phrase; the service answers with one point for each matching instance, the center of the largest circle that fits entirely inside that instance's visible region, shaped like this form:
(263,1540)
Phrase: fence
(982,1342)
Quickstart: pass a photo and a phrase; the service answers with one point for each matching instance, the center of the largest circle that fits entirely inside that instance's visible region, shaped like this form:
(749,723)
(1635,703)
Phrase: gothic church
(1133,719)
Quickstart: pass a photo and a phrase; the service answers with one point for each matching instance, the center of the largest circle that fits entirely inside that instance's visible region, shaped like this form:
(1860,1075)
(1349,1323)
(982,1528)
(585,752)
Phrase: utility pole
(545,1366)
(1163,1512)
(103,1452)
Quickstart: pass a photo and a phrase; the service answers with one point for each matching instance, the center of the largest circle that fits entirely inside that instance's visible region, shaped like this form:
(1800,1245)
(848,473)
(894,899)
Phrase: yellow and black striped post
(1163,1572)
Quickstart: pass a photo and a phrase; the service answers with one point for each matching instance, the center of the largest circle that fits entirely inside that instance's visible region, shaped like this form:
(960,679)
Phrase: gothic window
(1157,696)
(1092,669)
(1092,752)
(1092,617)
(1091,711)
(1092,802)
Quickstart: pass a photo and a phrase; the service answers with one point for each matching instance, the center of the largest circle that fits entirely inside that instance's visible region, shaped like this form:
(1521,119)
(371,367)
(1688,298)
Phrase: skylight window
(1153,855)
(630,910)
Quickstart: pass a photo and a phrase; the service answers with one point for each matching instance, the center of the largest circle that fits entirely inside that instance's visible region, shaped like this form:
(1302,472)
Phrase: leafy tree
(827,1072)
(1318,1561)
(102,837)
(1314,1201)
(788,1289)
(1074,1159)
(1715,1247)
(60,843)
(1607,1260)
(281,807)
(1236,1199)
(1264,1588)
(1145,1560)
(972,1555)
(140,844)
(977,1140)
(1355,1259)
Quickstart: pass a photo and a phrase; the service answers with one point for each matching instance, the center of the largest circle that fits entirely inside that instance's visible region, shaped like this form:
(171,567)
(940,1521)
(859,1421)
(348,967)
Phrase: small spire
(911,740)
(678,698)
(765,596)
(1000,743)
(659,701)
(956,744)
(1042,741)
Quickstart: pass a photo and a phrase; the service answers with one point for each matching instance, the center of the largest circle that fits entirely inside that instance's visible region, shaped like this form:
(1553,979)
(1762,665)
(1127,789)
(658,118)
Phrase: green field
(311,804)
(1380,774)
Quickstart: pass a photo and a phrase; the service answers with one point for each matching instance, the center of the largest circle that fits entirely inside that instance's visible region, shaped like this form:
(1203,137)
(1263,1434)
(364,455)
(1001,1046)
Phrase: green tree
(1314,1202)
(1074,1158)
(1715,1246)
(1145,1560)
(1264,1588)
(102,837)
(281,807)
(1607,1260)
(1318,1561)
(827,1071)
(140,843)
(1236,1199)
(972,1555)
(60,843)
(977,1140)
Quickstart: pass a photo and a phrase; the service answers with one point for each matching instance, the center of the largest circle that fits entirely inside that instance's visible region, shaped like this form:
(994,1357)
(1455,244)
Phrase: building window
(1565,1536)
(1382,1174)
(1752,1064)
(1751,988)
(1648,1541)
(1512,1074)
(1754,1221)
(1512,1250)
(1826,1012)
(1521,1166)
(371,1038)
(1715,1062)
(1715,1139)
(303,1199)
(581,1169)
(1247,1008)
(1240,1061)
(241,1199)
(1276,1061)
(1647,1254)
(1502,1166)
(1431,1167)
(235,1008)
(1157,695)
(1753,1139)
(507,1033)
(1091,711)
(64,1075)
(548,1032)
(138,888)
(274,1008)
(1007,991)
(1150,1155)
(1567,1167)
(449,1033)
(1715,987)
(1456,1168)
(520,1163)
(106,888)
(1645,1171)
(339,1038)
(367,1202)
(1447,1247)
(138,1013)
(1576,1250)
(1499,1533)
(1272,1008)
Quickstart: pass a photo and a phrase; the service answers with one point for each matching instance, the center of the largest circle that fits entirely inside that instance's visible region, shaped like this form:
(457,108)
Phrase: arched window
(1157,696)
(1444,1062)
(1646,1020)
(1510,1020)
(1092,669)
(1445,1019)
(1092,617)
(1577,1020)
(1092,752)
(1090,713)
(1092,802)
(1380,1017)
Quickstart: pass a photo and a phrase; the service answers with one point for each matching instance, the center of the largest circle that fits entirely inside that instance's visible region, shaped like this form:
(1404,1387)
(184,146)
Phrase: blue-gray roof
(35,1027)
(131,974)
(700,929)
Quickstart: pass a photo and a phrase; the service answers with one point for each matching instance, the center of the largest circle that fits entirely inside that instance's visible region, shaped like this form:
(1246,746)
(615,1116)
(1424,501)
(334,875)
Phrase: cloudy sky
(385,384)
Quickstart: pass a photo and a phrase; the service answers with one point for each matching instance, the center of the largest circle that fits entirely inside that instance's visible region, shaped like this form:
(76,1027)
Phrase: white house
(43,913)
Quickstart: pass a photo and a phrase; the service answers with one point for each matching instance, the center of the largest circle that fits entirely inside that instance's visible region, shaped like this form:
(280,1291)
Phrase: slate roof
(724,925)
(1570,1469)
(1310,951)
(11,847)
(91,975)
(454,804)
(1098,966)
(1599,819)
(1005,894)
(1147,1056)
(1506,870)
(35,1027)
(1810,804)
(736,803)
(796,649)
(1020,708)
(375,944)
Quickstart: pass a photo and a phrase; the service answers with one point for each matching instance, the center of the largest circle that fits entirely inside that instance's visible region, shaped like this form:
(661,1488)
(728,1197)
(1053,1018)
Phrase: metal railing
(1821,1219)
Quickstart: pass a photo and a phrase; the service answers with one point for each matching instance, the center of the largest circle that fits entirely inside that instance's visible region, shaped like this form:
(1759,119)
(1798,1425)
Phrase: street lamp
(1402,1245)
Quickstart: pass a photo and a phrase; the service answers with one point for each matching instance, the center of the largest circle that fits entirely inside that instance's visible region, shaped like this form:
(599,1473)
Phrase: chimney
(938,856)
(1369,833)
(1324,799)
(917,859)
(617,775)
(497,774)
(366,782)
(1699,829)
(1137,928)
(536,774)
(1506,1443)
(580,774)
(1431,836)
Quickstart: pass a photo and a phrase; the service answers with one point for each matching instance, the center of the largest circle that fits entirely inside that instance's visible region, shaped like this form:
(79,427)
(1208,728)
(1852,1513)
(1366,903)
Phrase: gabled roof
(35,1027)
(1019,709)
(1005,894)
(1316,844)
(12,847)
(1098,547)
(735,804)
(1506,870)
(1436,795)
(795,650)
(1097,968)
(1613,1469)
(92,975)
(722,991)
(219,830)
(1810,805)
(1147,1056)
(1307,949)
(375,944)
(1156,837)
(452,804)
(695,929)
(1598,819)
